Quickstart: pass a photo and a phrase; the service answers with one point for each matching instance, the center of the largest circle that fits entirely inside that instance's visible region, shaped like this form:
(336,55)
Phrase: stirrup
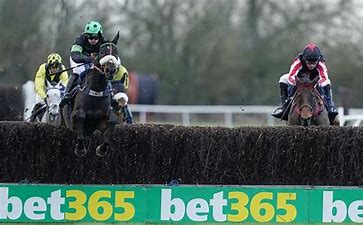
(278,112)
(278,108)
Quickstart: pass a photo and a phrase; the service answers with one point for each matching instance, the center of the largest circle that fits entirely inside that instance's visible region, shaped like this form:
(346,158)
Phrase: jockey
(309,61)
(51,71)
(83,52)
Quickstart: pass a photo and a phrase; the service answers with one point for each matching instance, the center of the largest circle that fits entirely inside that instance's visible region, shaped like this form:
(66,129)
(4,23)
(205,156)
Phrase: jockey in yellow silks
(51,71)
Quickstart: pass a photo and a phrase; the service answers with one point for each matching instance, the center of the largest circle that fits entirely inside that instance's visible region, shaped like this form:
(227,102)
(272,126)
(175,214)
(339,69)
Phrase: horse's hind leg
(102,149)
(80,149)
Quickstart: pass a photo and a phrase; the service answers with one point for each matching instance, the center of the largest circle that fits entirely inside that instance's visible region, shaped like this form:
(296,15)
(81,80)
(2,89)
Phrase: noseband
(308,106)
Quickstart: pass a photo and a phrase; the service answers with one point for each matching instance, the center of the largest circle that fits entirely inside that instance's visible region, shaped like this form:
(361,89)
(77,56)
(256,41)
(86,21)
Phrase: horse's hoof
(101,150)
(80,151)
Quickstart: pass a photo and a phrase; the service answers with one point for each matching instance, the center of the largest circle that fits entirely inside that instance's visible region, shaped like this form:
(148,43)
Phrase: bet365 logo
(237,207)
(76,205)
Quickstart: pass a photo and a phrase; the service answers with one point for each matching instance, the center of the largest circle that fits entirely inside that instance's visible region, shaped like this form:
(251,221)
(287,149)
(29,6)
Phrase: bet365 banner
(164,204)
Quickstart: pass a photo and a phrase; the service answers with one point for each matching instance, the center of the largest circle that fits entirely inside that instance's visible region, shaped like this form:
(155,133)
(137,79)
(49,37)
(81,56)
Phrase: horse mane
(303,81)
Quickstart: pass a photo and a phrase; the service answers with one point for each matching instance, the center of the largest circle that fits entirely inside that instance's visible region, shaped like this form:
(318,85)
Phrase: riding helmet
(93,27)
(311,53)
(54,59)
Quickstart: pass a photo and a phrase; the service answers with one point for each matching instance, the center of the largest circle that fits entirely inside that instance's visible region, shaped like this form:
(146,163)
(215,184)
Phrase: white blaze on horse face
(109,59)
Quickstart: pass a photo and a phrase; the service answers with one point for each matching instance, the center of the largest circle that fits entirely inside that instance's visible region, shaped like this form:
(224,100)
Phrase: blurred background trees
(205,51)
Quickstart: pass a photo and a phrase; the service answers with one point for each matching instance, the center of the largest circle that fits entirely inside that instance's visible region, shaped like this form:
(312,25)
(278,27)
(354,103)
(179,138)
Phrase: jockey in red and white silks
(311,62)
(298,67)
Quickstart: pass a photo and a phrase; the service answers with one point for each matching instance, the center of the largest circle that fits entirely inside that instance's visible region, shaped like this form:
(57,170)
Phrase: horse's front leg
(102,149)
(80,116)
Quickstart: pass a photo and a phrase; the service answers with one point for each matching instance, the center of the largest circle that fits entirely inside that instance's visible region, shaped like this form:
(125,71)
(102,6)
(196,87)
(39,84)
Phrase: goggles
(91,37)
(311,62)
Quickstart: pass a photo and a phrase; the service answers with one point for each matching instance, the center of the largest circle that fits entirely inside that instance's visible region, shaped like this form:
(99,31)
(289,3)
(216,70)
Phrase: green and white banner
(165,204)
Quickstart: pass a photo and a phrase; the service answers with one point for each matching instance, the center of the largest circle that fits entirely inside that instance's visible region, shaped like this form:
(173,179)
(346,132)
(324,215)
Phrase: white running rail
(229,112)
(186,110)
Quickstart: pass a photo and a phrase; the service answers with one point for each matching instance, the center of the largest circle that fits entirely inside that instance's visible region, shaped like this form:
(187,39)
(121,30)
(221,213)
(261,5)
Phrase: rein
(88,91)
(108,75)
(97,68)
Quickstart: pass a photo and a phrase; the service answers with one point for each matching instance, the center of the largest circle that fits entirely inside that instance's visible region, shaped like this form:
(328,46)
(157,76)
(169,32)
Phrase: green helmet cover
(93,27)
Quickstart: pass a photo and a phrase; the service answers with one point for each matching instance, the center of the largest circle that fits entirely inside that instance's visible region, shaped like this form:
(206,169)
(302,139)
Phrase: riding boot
(278,113)
(70,85)
(127,115)
(332,110)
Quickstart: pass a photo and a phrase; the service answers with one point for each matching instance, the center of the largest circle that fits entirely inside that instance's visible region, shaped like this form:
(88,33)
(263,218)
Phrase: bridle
(314,108)
(102,69)
(299,90)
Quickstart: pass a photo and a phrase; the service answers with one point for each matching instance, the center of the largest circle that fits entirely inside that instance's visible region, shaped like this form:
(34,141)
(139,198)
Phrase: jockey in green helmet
(83,52)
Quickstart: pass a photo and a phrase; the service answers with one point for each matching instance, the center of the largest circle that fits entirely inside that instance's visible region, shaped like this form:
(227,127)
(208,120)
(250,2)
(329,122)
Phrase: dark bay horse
(91,107)
(307,107)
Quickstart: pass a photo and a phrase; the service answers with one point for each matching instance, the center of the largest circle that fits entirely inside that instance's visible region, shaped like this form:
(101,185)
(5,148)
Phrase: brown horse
(307,107)
(91,107)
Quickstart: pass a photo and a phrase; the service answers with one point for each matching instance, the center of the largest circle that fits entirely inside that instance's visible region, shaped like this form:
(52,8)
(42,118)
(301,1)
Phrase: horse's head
(306,101)
(109,59)
(54,97)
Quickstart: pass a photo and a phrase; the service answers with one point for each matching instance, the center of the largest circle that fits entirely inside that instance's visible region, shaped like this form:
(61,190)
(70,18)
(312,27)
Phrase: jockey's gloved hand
(87,60)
